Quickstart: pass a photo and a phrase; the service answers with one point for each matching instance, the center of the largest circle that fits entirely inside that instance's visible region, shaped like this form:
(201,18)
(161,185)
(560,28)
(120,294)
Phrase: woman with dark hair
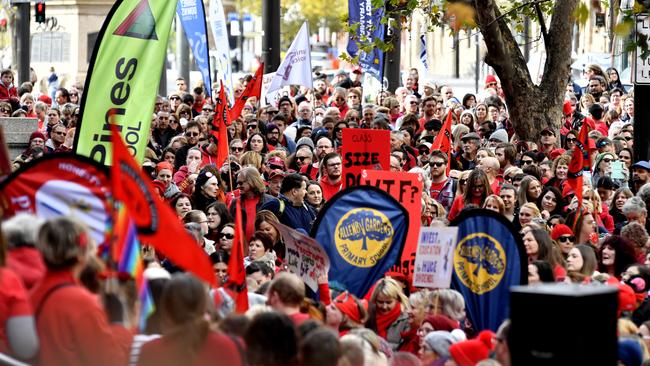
(219,260)
(263,223)
(260,248)
(569,142)
(618,200)
(478,189)
(614,255)
(469,100)
(625,155)
(467,118)
(257,142)
(187,338)
(550,202)
(581,263)
(583,225)
(539,246)
(540,272)
(218,215)
(314,196)
(208,188)
(614,79)
(181,203)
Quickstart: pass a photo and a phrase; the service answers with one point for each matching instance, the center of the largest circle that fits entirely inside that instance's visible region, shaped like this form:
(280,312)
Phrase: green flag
(123,77)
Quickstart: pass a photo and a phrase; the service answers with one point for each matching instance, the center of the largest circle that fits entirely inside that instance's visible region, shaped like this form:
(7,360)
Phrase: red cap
(567,108)
(490,79)
(559,230)
(164,165)
(471,352)
(45,99)
(441,322)
(626,298)
(37,134)
(556,152)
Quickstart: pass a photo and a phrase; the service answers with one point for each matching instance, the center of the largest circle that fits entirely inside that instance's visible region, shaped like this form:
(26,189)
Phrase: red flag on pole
(218,129)
(253,89)
(442,141)
(236,284)
(156,224)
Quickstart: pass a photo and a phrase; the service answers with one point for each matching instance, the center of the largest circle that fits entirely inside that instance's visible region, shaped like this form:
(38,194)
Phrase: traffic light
(40,12)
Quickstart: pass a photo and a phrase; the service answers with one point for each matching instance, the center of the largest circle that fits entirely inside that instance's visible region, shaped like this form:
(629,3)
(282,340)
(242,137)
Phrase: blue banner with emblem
(368,18)
(192,16)
(489,258)
(363,230)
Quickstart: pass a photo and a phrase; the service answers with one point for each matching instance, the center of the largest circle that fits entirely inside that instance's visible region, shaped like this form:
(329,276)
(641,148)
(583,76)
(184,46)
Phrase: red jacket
(27,263)
(72,326)
(8,92)
(217,349)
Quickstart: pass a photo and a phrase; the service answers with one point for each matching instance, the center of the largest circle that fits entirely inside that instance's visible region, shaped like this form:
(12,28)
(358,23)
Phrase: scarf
(385,320)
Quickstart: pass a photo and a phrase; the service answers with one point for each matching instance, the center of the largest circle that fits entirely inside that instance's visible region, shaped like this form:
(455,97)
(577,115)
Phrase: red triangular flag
(236,272)
(442,141)
(580,160)
(157,225)
(253,89)
(219,130)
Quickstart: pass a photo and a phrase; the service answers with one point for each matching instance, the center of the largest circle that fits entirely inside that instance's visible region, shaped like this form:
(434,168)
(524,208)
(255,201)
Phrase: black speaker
(563,324)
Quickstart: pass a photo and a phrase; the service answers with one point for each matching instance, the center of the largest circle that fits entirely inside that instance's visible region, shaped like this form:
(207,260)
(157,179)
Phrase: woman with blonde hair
(527,213)
(387,311)
(494,203)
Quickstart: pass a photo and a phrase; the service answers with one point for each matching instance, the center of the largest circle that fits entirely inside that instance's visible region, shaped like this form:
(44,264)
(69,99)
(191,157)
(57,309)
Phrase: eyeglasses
(526,162)
(237,149)
(208,109)
(271,112)
(437,164)
(414,102)
(462,182)
(192,134)
(571,140)
(301,158)
(565,239)
(491,84)
(333,165)
(74,94)
(226,236)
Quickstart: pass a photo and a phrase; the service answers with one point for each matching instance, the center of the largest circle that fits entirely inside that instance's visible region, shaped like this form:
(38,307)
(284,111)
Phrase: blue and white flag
(192,16)
(489,258)
(363,230)
(219,29)
(423,51)
(361,12)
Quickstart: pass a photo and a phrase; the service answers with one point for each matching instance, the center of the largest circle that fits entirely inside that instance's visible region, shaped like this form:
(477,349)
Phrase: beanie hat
(567,108)
(45,99)
(626,298)
(630,352)
(441,322)
(469,353)
(164,165)
(490,79)
(37,134)
(271,126)
(346,304)
(559,230)
(440,341)
(202,178)
(500,135)
(284,98)
(305,141)
(556,152)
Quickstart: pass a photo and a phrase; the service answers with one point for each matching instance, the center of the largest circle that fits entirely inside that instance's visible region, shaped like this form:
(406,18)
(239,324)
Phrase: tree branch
(542,23)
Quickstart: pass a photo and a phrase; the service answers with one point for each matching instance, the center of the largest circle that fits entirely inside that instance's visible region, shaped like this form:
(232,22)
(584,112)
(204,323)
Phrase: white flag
(219,29)
(296,67)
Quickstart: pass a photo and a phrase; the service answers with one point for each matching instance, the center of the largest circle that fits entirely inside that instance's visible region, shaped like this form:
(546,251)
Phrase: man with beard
(429,104)
(470,147)
(324,146)
(640,176)
(597,86)
(332,170)
(320,87)
(443,188)
(506,153)
(162,134)
(192,133)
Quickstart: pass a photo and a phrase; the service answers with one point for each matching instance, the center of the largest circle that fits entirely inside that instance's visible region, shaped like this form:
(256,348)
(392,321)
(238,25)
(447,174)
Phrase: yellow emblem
(480,262)
(363,236)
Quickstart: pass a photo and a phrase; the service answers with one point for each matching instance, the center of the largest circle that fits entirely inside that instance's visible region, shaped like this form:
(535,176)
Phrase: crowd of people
(58,307)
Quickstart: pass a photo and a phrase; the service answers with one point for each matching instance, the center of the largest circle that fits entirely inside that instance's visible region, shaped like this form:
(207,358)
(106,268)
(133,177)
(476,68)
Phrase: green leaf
(624,28)
(581,13)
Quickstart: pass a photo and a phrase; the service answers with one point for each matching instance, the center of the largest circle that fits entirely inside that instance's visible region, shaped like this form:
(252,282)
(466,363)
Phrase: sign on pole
(435,256)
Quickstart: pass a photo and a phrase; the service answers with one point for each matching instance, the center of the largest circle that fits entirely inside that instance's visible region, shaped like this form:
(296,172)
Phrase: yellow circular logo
(480,262)
(363,236)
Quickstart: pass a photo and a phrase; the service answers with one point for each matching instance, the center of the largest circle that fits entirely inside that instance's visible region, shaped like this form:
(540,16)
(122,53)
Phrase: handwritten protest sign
(364,150)
(304,256)
(406,188)
(434,258)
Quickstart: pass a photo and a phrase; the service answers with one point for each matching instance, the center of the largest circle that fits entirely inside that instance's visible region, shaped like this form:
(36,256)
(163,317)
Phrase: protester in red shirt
(331,172)
(478,188)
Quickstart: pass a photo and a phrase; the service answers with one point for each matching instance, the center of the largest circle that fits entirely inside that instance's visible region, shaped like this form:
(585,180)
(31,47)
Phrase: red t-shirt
(13,303)
(329,190)
(217,348)
(436,188)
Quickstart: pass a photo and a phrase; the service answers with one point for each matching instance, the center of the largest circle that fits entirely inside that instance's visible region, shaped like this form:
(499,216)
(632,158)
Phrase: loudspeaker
(563,324)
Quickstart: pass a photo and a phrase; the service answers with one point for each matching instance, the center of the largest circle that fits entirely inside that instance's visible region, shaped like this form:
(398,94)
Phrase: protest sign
(406,188)
(434,257)
(364,150)
(304,256)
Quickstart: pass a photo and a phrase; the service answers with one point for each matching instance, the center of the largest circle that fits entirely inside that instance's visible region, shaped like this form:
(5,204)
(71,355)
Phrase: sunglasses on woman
(226,236)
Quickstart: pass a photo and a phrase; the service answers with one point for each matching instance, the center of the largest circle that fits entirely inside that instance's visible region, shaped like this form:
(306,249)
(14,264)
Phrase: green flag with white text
(123,77)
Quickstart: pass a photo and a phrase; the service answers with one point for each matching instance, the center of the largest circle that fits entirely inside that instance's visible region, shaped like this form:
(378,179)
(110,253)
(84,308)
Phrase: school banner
(406,188)
(368,19)
(362,230)
(123,77)
(435,256)
(489,258)
(364,150)
(219,29)
(192,16)
(304,256)
(61,184)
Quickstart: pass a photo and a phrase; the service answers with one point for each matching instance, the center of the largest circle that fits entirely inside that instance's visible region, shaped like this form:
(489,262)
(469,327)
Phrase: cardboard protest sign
(434,258)
(406,188)
(304,256)
(364,150)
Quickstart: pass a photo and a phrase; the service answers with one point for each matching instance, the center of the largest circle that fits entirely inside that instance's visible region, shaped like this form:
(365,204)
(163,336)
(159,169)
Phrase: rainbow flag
(146,305)
(127,246)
